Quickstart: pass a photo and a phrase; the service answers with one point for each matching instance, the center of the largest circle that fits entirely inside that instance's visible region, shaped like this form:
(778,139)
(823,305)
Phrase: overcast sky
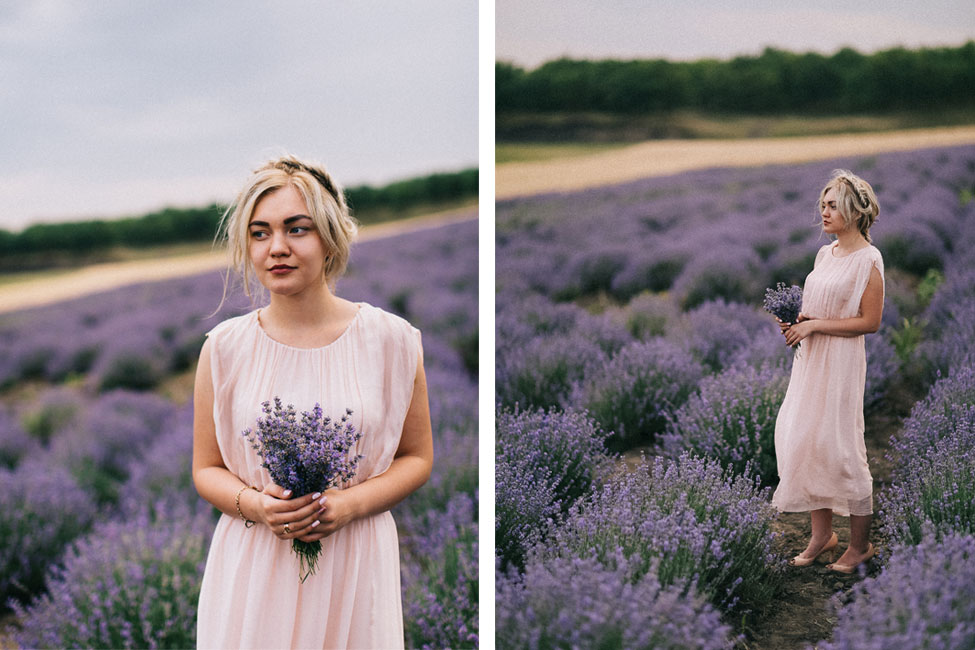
(530,32)
(117,107)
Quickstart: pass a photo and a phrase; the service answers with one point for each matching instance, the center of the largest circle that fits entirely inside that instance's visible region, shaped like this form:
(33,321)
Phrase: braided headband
(326,182)
(860,192)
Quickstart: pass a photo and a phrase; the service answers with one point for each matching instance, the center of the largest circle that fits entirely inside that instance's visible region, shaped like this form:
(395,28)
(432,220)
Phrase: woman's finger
(279,512)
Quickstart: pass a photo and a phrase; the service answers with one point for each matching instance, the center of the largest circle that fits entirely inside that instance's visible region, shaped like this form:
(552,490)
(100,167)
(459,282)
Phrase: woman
(822,459)
(291,229)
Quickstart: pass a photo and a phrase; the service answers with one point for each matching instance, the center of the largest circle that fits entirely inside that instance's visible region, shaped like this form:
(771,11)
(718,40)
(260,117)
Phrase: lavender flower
(924,598)
(440,580)
(732,419)
(308,456)
(42,510)
(581,603)
(633,394)
(936,491)
(544,463)
(683,518)
(784,302)
(129,584)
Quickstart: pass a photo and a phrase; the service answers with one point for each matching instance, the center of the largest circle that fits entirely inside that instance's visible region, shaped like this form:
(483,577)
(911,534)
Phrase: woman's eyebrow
(287,221)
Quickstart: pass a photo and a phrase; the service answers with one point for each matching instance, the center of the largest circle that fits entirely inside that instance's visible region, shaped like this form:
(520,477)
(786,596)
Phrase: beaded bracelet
(247,522)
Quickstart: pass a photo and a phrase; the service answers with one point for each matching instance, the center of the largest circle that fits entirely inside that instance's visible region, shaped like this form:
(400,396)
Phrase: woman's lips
(282,269)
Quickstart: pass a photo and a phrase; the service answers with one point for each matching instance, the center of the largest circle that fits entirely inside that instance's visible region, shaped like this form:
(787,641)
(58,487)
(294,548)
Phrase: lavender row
(134,336)
(584,603)
(725,233)
(923,599)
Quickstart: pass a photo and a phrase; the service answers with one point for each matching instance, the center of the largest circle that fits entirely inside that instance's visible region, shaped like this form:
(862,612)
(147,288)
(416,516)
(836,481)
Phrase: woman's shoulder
(233,327)
(383,320)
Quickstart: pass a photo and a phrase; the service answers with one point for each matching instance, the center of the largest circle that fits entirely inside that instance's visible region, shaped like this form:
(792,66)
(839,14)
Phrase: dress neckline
(345,332)
(832,251)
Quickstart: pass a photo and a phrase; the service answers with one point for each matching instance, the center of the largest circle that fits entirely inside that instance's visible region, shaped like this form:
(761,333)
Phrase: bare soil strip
(101,277)
(664,157)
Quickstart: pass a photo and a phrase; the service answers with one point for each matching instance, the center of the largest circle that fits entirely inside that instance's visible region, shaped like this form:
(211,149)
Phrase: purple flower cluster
(688,519)
(883,367)
(15,442)
(638,389)
(131,583)
(719,333)
(544,351)
(307,456)
(544,462)
(440,578)
(936,491)
(948,406)
(950,319)
(312,455)
(924,598)
(42,509)
(784,302)
(579,602)
(732,419)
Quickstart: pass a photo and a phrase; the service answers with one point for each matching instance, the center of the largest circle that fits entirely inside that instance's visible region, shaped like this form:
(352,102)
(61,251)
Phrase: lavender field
(638,381)
(104,538)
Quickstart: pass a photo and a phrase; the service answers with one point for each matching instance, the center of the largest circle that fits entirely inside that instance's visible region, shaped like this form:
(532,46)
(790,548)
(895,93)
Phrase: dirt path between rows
(664,157)
(101,277)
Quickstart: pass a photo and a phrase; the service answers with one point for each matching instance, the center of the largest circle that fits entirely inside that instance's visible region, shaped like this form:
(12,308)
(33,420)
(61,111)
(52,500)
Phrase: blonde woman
(290,229)
(822,459)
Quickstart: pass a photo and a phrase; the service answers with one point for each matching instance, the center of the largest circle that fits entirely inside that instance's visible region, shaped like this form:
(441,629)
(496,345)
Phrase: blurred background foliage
(570,99)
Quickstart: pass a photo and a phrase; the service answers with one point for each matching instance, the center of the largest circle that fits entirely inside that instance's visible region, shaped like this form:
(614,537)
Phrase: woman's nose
(279,244)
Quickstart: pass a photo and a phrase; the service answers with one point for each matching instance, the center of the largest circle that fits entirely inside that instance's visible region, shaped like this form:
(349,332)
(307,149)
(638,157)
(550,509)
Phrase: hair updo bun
(855,200)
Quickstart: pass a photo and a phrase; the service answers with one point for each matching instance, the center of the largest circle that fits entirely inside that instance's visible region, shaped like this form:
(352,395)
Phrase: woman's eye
(258,234)
(299,230)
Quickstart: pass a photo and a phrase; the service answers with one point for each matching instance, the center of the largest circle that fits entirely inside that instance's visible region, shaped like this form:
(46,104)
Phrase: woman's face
(833,222)
(287,253)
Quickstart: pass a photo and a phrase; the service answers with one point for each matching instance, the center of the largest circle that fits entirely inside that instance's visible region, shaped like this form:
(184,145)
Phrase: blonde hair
(855,200)
(326,205)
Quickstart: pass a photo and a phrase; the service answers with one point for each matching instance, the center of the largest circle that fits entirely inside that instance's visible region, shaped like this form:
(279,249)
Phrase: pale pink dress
(251,596)
(819,448)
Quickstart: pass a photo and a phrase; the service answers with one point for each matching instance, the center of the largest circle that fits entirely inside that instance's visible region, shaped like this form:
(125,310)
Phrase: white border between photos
(486,425)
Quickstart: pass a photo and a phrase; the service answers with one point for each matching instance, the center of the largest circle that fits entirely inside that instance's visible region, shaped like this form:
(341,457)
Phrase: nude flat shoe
(806,561)
(850,568)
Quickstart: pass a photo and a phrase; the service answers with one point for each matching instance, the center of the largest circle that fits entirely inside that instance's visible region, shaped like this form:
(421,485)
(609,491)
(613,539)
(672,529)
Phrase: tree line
(178,225)
(774,81)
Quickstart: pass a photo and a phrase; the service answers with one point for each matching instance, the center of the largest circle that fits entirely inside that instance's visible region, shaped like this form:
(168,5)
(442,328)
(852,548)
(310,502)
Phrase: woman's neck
(850,240)
(307,309)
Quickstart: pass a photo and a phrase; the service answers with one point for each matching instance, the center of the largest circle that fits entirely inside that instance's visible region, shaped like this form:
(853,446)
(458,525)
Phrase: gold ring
(287,529)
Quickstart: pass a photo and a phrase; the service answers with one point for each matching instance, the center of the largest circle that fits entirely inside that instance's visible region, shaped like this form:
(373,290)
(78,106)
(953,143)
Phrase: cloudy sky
(116,107)
(530,32)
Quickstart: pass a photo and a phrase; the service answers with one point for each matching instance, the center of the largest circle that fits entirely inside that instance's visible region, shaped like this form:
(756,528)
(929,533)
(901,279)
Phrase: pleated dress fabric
(251,596)
(819,447)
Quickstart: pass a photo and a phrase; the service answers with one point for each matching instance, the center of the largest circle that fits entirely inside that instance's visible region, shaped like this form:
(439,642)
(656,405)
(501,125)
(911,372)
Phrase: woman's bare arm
(866,322)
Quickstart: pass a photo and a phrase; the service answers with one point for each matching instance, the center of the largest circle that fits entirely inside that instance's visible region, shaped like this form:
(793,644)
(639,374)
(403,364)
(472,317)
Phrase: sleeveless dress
(819,447)
(251,596)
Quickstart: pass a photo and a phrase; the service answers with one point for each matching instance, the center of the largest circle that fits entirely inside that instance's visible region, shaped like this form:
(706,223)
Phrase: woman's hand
(337,511)
(802,329)
(275,508)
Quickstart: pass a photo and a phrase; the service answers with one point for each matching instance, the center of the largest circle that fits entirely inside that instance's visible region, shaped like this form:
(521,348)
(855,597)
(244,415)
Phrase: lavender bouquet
(307,455)
(784,303)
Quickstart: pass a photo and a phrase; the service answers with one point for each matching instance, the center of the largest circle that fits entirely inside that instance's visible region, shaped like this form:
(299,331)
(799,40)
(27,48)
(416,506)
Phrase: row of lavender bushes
(104,537)
(925,594)
(630,316)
